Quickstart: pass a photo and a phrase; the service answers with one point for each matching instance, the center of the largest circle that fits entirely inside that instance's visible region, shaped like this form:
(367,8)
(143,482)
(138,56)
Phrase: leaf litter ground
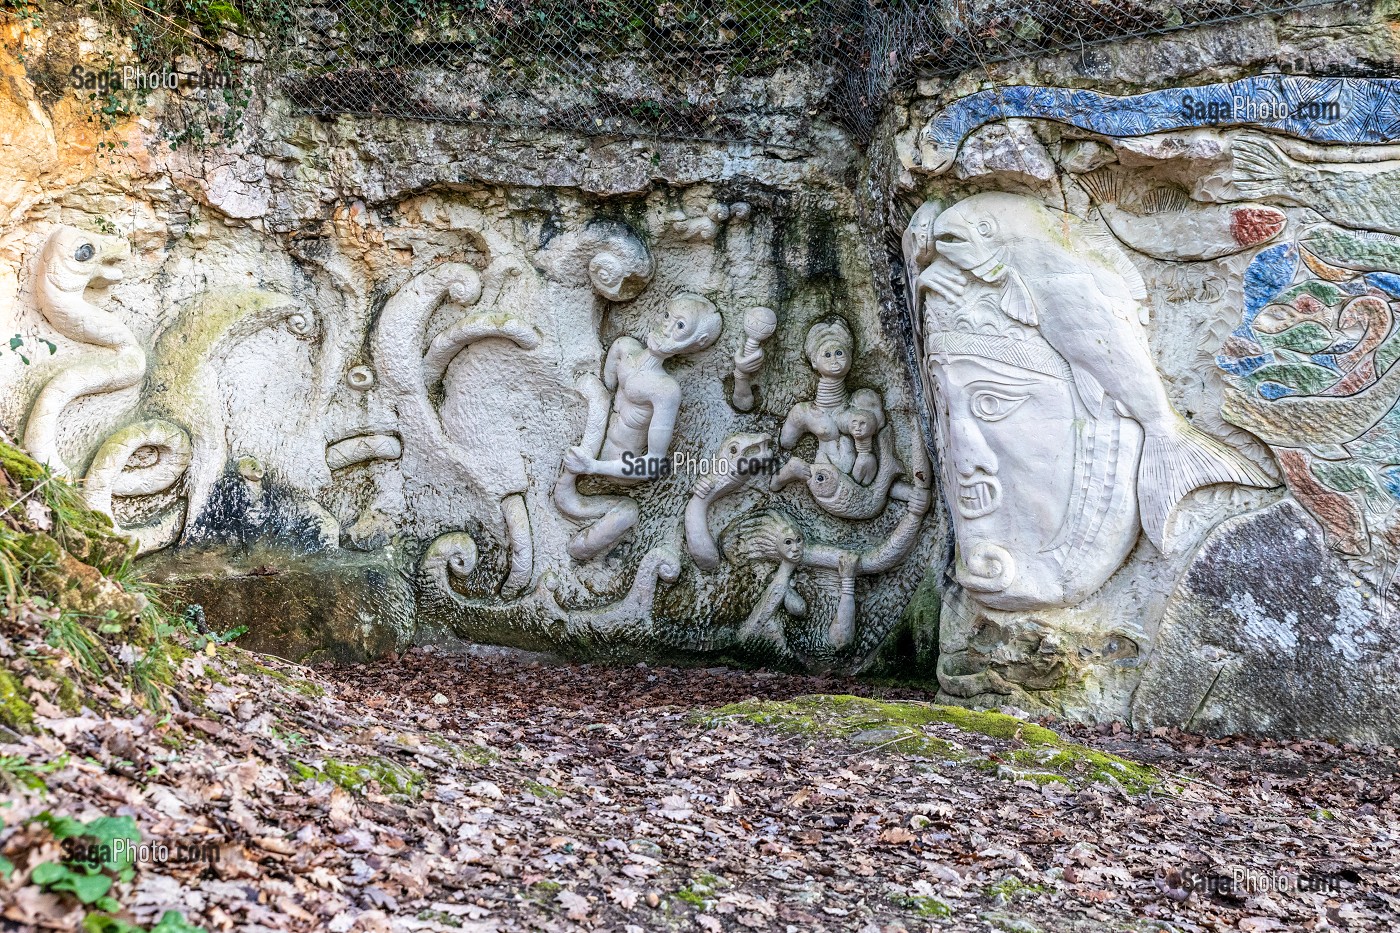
(492,791)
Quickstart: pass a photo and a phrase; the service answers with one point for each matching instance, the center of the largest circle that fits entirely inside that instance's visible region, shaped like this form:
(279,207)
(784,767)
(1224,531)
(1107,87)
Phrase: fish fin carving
(1017,302)
(1108,247)
(1183,459)
(1102,185)
(1090,391)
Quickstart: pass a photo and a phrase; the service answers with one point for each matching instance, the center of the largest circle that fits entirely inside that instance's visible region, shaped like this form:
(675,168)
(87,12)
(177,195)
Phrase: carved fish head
(934,157)
(74,259)
(824,481)
(744,446)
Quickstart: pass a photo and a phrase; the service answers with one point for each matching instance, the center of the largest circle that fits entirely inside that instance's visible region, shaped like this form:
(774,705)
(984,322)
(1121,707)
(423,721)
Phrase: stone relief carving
(144,459)
(848,478)
(1310,370)
(774,536)
(1217,255)
(389,395)
(759,325)
(636,443)
(1035,338)
(740,457)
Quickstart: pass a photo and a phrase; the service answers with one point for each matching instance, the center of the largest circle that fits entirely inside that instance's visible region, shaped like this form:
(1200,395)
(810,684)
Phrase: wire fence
(764,71)
(734,70)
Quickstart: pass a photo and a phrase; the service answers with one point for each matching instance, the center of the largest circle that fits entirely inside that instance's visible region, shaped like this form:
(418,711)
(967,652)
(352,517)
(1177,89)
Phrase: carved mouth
(363,448)
(979,497)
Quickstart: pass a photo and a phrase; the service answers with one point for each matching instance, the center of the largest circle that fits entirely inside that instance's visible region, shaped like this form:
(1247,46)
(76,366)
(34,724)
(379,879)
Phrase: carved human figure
(1036,345)
(844,423)
(770,535)
(641,420)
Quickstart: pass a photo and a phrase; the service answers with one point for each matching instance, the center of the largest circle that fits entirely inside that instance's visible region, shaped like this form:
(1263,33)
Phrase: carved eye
(84,252)
(300,323)
(987,405)
(821,476)
(787,541)
(680,325)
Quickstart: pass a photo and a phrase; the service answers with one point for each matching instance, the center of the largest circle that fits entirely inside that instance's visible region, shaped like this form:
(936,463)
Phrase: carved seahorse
(146,458)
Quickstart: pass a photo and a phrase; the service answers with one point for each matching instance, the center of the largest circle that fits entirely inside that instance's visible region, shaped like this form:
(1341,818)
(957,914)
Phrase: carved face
(861,425)
(832,357)
(1009,466)
(1042,497)
(789,542)
(691,324)
(965,242)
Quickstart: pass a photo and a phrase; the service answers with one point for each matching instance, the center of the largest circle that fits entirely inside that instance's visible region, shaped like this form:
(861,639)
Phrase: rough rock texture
(437,380)
(1152,287)
(460,356)
(1304,646)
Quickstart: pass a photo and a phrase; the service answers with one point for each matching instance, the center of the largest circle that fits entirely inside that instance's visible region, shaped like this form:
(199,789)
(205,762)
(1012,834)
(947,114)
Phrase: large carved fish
(1360,194)
(1166,224)
(1083,294)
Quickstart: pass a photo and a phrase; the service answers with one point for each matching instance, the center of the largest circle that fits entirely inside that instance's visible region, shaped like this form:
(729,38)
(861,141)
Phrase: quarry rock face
(1108,369)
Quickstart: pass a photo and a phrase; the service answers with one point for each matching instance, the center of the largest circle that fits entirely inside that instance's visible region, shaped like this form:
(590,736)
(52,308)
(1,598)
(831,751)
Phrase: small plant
(21,348)
(17,772)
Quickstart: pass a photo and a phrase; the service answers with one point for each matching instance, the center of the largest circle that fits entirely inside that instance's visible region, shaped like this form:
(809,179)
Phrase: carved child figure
(642,419)
(844,423)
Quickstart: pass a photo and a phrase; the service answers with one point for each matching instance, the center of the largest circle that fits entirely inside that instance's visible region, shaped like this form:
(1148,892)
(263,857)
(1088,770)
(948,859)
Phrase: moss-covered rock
(15,712)
(931,730)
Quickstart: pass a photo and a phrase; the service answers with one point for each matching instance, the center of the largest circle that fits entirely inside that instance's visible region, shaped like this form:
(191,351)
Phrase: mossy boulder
(1021,749)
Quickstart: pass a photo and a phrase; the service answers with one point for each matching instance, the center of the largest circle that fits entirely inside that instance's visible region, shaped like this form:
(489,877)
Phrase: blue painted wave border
(1367,110)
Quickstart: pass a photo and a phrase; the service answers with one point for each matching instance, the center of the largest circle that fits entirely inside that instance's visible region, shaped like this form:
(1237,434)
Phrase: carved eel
(143,459)
(739,448)
(632,614)
(1314,421)
(70,262)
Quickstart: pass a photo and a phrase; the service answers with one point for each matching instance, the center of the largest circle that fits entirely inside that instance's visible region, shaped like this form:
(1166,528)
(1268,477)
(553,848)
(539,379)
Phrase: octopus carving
(409,374)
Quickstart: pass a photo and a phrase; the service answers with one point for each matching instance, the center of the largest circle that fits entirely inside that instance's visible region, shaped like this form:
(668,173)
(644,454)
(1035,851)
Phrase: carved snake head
(75,259)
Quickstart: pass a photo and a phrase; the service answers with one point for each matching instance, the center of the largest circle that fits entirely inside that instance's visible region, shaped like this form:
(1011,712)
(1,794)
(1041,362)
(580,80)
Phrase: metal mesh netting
(734,70)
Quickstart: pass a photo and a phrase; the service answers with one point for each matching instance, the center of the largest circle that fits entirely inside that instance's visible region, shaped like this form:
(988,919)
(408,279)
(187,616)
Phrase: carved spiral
(451,555)
(988,568)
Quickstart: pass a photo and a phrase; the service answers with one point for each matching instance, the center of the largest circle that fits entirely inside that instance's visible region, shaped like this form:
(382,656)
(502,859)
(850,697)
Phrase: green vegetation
(923,905)
(543,791)
(391,777)
(1037,753)
(1011,887)
(98,854)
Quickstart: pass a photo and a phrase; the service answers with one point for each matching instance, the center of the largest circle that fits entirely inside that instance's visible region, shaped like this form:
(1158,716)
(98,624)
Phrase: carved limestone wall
(591,398)
(1157,336)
